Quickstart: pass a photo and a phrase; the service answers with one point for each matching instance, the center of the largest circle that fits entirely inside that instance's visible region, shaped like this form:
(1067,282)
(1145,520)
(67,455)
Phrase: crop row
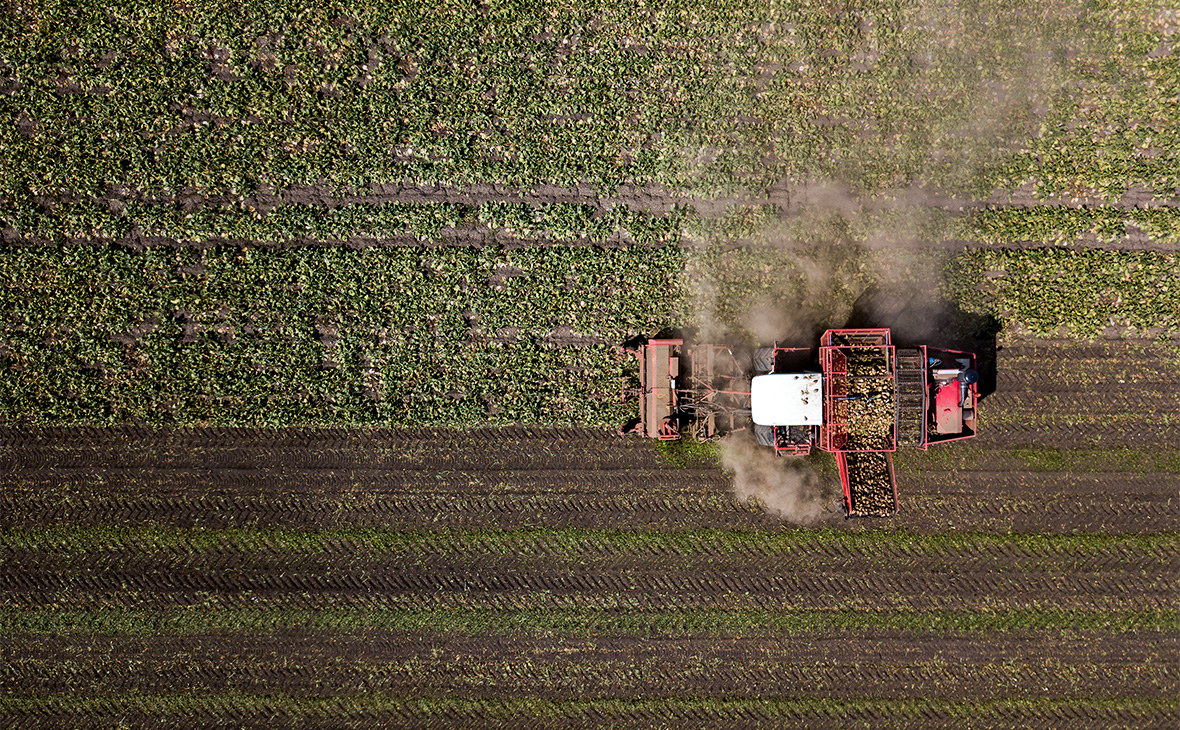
(384,336)
(1082,292)
(572,544)
(738,95)
(361,709)
(575,621)
(583,669)
(1060,225)
(94,221)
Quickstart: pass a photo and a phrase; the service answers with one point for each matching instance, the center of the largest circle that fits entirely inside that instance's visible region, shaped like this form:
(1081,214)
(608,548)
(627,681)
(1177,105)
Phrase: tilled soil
(568,577)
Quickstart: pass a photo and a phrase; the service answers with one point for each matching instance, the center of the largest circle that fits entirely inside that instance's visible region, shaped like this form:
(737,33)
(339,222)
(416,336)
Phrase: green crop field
(312,320)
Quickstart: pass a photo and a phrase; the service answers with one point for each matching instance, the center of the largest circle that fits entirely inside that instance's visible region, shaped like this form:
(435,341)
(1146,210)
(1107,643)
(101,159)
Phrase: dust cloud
(860,239)
(784,487)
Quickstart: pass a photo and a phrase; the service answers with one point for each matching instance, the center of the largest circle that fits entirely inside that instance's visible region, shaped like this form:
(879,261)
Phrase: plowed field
(567,577)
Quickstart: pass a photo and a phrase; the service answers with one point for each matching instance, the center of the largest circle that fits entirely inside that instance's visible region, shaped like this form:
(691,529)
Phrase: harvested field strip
(1142,664)
(508,619)
(1026,363)
(995,501)
(819,649)
(1033,710)
(519,478)
(488,454)
(1040,502)
(478,450)
(340,589)
(575,545)
(607,591)
(590,570)
(356,507)
(474,571)
(318,587)
(972,456)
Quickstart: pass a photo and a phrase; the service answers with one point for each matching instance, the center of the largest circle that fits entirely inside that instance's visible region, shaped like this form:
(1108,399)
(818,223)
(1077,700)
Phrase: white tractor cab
(787,399)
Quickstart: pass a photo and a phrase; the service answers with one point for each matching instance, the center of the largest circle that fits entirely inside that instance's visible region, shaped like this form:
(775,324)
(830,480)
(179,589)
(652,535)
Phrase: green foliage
(1061,225)
(226,98)
(390,336)
(1085,292)
(575,545)
(424,221)
(689,453)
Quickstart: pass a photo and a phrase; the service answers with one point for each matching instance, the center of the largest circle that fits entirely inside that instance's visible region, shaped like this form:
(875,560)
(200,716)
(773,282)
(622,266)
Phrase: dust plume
(785,487)
(858,234)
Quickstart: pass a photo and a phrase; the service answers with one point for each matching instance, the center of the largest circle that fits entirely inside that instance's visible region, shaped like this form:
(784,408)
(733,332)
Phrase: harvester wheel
(764,435)
(764,360)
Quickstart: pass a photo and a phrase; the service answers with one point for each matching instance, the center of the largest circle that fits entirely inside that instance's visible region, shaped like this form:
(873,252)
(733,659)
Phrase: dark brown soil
(1050,398)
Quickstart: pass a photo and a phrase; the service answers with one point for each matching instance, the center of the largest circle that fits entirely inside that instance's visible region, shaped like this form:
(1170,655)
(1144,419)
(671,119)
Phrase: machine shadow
(916,320)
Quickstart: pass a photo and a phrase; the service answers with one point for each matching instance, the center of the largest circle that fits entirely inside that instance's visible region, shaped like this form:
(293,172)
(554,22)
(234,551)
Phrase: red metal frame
(792,449)
(842,468)
(668,430)
(876,336)
(833,434)
(973,389)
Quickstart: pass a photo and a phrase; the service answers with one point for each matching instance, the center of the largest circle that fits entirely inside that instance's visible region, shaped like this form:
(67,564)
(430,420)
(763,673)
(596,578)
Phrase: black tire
(764,360)
(764,435)
(742,360)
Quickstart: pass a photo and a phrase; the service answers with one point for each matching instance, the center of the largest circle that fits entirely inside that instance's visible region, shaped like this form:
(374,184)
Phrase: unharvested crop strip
(1004,666)
(731,100)
(500,223)
(377,337)
(1082,292)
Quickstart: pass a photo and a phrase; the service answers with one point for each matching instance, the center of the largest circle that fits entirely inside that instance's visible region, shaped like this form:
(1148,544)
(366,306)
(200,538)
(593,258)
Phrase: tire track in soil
(792,198)
(949,578)
(668,498)
(230,714)
(889,666)
(471,588)
(1036,501)
(1068,394)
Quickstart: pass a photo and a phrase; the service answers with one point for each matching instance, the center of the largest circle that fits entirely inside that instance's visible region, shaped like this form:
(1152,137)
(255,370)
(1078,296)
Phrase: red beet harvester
(859,397)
